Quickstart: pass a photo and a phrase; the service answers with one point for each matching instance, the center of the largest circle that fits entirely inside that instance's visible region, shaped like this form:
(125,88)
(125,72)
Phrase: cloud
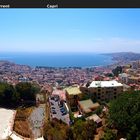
(71,44)
(116,44)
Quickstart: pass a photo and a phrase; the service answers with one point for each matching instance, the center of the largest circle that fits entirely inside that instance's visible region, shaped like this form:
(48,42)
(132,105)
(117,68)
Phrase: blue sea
(58,59)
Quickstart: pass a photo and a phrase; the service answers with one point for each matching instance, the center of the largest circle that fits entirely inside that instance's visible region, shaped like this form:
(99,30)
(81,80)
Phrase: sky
(70,30)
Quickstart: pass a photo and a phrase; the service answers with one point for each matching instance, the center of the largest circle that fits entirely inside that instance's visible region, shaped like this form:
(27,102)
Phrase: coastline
(69,60)
(58,60)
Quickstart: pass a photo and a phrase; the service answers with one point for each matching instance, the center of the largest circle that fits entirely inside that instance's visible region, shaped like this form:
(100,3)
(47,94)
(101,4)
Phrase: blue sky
(69,30)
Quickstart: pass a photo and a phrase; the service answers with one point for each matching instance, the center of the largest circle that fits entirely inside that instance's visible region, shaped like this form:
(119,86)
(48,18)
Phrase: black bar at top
(70,3)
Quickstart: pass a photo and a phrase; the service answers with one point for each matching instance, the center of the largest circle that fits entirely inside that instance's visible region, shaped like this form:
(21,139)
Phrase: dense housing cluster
(65,95)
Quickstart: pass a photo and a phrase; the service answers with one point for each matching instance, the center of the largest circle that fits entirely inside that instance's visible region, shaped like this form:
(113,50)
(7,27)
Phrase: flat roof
(105,84)
(123,75)
(87,105)
(94,117)
(60,93)
(134,78)
(73,90)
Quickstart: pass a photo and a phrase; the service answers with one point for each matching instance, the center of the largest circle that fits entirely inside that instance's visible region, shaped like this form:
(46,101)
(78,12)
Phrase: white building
(103,90)
(124,77)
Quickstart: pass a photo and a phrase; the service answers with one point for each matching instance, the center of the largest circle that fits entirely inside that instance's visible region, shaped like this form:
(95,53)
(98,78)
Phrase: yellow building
(103,90)
(73,94)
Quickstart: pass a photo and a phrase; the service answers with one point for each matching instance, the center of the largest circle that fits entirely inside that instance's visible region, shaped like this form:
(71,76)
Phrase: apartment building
(103,90)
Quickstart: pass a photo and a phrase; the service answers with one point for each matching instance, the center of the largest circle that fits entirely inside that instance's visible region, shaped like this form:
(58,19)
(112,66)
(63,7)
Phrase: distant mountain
(124,56)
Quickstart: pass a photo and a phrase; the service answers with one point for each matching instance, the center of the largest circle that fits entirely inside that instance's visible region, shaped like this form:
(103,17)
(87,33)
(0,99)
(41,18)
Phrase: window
(115,93)
(95,93)
(115,89)
(99,90)
(86,90)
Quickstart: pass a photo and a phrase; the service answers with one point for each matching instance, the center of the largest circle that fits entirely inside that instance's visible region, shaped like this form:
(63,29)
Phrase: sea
(58,59)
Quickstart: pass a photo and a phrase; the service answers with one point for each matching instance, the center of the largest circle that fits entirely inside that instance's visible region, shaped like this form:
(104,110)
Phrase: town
(66,96)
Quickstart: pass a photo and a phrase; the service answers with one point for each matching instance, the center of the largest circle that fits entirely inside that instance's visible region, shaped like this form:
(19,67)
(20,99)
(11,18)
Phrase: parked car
(60,105)
(52,109)
(52,98)
(53,112)
(56,99)
(62,109)
(52,103)
(64,113)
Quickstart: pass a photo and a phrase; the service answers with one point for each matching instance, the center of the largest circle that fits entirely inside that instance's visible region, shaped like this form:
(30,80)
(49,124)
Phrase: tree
(90,128)
(55,130)
(8,95)
(27,91)
(98,111)
(124,114)
(109,135)
(83,130)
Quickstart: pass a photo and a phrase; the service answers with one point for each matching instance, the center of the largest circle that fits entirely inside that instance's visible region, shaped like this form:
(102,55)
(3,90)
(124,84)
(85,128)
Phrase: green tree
(109,135)
(27,91)
(55,130)
(124,114)
(8,94)
(83,130)
(98,111)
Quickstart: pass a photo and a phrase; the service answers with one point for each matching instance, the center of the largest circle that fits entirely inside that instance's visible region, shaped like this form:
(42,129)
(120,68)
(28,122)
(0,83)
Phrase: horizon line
(67,52)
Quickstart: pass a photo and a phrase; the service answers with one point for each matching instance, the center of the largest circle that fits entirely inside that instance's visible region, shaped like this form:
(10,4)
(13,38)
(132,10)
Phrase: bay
(58,59)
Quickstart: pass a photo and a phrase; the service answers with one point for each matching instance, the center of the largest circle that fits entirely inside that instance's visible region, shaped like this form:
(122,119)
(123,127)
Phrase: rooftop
(94,117)
(60,93)
(123,75)
(73,90)
(105,84)
(134,78)
(87,105)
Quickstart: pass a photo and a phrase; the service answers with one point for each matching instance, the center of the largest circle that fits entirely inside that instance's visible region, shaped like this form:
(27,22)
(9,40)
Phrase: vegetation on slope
(11,96)
(124,115)
(21,124)
(80,130)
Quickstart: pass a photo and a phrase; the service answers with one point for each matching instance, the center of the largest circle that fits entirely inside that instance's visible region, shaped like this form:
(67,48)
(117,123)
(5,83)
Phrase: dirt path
(36,120)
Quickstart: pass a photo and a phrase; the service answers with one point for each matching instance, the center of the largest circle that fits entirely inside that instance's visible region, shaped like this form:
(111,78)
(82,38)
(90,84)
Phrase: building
(134,80)
(73,95)
(103,90)
(96,119)
(123,78)
(87,106)
(60,93)
(126,87)
(136,64)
